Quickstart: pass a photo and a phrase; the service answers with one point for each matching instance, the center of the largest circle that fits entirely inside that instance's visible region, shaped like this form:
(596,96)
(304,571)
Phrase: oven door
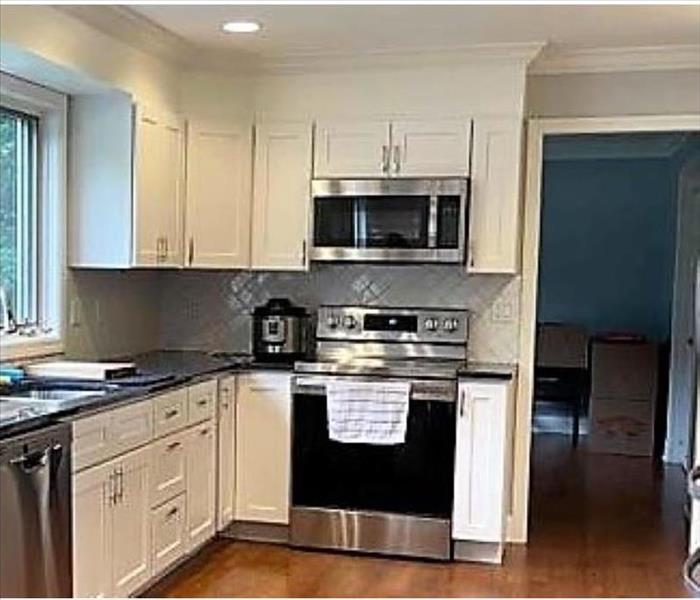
(389,220)
(413,478)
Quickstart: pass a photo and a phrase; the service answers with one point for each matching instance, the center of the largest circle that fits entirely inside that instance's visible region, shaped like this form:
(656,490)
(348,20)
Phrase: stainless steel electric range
(389,499)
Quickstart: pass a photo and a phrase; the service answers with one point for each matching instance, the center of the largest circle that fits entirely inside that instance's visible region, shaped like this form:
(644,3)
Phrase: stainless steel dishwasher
(35,514)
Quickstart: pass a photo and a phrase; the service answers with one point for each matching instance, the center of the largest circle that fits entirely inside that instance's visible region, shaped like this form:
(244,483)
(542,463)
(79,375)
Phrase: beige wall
(614,94)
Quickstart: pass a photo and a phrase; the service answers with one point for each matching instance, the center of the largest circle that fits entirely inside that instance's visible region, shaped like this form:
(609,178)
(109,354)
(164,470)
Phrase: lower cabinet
(227,452)
(263,438)
(483,459)
(201,484)
(169,533)
(111,528)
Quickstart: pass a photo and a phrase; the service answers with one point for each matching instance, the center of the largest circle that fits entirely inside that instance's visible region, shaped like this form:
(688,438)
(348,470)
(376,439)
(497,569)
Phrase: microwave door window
(394,222)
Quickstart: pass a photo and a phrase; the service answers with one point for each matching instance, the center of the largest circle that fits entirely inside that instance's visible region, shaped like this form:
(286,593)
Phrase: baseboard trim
(257,532)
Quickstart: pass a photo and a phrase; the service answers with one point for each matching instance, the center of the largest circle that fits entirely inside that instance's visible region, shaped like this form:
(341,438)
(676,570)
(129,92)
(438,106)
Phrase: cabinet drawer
(131,426)
(169,463)
(91,443)
(170,412)
(168,533)
(201,401)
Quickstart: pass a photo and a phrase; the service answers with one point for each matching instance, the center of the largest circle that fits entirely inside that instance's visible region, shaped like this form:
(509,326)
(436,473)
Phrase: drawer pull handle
(202,402)
(172,446)
(204,431)
(172,413)
(171,513)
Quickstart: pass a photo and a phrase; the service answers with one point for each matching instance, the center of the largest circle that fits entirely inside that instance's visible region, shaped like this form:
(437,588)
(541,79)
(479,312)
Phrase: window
(18,217)
(32,206)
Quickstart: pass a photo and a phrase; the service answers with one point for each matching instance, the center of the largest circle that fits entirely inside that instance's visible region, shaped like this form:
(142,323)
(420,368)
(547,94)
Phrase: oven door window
(415,477)
(394,222)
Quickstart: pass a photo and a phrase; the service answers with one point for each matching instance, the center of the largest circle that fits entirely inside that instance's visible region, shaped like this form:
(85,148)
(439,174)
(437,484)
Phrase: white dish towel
(368,412)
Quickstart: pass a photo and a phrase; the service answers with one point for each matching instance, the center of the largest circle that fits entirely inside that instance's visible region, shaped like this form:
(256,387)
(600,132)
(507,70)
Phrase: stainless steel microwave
(390,220)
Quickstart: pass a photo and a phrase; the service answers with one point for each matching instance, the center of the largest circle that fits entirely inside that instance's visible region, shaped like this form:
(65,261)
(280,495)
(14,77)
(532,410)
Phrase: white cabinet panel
(263,413)
(201,400)
(131,426)
(352,148)
(201,484)
(430,148)
(227,452)
(169,468)
(158,188)
(130,527)
(494,236)
(482,456)
(91,440)
(170,412)
(282,187)
(218,196)
(168,533)
(91,539)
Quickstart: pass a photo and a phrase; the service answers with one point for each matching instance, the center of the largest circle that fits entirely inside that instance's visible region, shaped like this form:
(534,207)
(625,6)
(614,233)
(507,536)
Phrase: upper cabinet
(494,233)
(352,148)
(281,196)
(218,196)
(126,184)
(158,188)
(400,148)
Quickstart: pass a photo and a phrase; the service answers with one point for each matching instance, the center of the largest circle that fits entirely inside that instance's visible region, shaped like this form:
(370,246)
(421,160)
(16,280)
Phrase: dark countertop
(158,370)
(482,370)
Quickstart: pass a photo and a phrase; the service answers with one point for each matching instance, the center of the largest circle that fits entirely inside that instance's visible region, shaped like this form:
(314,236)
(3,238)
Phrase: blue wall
(607,244)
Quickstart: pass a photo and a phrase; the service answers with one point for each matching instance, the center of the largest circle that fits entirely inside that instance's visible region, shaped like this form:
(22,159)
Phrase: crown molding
(608,60)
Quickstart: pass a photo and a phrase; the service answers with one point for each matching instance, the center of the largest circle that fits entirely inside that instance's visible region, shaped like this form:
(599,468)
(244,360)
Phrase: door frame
(537,129)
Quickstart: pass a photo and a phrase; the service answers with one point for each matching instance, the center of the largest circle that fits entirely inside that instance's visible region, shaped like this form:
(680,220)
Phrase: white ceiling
(317,29)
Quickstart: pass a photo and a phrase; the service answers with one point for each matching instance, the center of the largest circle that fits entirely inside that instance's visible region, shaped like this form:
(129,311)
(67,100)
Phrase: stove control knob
(431,324)
(349,322)
(450,325)
(332,321)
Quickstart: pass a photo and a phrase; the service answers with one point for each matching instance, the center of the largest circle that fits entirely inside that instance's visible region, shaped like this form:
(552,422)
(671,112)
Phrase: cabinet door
(227,452)
(168,533)
(218,197)
(494,235)
(201,484)
(282,187)
(131,426)
(92,503)
(130,523)
(430,148)
(158,188)
(263,408)
(201,401)
(169,468)
(352,148)
(480,463)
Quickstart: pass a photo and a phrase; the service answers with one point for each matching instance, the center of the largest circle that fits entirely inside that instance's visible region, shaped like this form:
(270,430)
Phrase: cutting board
(93,371)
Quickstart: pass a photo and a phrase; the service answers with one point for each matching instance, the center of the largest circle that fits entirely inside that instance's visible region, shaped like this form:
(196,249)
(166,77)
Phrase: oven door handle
(316,386)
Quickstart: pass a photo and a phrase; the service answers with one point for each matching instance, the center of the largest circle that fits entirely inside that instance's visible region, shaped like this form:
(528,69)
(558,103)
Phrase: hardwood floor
(600,526)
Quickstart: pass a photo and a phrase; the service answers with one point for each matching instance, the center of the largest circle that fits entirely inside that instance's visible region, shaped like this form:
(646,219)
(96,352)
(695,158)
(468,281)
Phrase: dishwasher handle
(36,460)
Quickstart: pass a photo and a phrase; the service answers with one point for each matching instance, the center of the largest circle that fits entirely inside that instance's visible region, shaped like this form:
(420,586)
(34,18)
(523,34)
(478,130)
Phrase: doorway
(602,286)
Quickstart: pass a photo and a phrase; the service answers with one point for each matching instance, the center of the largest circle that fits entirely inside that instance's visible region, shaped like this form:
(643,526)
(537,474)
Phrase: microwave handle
(433,222)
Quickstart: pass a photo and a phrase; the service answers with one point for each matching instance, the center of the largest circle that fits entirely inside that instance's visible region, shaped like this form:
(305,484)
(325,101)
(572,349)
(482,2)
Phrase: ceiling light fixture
(241,27)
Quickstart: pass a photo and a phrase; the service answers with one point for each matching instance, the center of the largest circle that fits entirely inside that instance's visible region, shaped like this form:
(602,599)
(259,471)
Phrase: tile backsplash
(210,310)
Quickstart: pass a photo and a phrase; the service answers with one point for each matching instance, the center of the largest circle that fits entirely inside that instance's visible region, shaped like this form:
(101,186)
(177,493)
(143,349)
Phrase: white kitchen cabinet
(281,194)
(263,438)
(201,484)
(170,412)
(219,176)
(158,188)
(111,527)
(169,533)
(201,401)
(483,456)
(130,523)
(399,148)
(92,506)
(430,148)
(494,233)
(227,452)
(352,148)
(169,467)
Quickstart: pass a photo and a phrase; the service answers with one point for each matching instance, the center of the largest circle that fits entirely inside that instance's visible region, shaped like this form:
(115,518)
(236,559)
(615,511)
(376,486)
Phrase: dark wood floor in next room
(600,526)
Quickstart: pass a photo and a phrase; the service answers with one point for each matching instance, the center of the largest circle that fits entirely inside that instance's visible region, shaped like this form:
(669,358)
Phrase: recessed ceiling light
(241,27)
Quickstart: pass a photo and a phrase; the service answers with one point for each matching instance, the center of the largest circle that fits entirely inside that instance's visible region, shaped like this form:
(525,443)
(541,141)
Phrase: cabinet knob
(190,258)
